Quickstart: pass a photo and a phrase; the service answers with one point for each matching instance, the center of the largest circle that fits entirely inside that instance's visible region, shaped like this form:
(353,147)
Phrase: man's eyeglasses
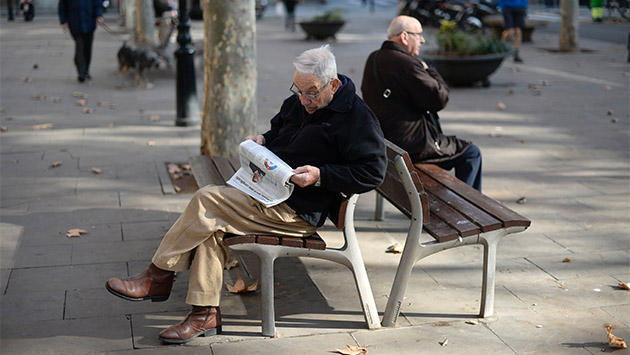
(419,34)
(294,90)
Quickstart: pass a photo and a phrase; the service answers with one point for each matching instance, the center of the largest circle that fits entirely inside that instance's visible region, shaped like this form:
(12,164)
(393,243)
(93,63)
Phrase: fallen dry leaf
(27,79)
(522,200)
(75,232)
(613,340)
(35,66)
(96,170)
(561,284)
(154,118)
(41,126)
(230,264)
(353,350)
(444,343)
(56,164)
(501,106)
(113,106)
(566,260)
(80,102)
(88,110)
(4,129)
(38,97)
(624,286)
(177,188)
(609,113)
(77,94)
(239,286)
(151,143)
(397,248)
(56,100)
(510,91)
(102,103)
(472,322)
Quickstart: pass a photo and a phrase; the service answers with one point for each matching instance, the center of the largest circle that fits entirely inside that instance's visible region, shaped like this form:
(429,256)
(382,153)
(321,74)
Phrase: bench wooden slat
(437,227)
(394,191)
(224,166)
(313,241)
(507,217)
(231,239)
(477,216)
(205,171)
(452,218)
(268,239)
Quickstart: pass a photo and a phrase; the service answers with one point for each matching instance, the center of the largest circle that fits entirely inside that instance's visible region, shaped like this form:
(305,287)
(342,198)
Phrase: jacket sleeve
(426,88)
(62,9)
(98,8)
(364,151)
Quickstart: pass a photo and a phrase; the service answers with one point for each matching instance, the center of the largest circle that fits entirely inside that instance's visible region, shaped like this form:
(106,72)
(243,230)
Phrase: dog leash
(109,30)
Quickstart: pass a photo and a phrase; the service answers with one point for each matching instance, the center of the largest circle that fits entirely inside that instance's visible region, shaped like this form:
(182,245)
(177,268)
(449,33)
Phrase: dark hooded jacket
(80,15)
(344,140)
(408,117)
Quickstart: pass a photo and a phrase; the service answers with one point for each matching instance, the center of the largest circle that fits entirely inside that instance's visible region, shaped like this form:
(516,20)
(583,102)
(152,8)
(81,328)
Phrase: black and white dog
(139,60)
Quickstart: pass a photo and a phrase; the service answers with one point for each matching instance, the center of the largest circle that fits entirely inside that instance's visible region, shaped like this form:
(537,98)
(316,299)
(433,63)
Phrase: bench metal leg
(378,208)
(268,311)
(405,266)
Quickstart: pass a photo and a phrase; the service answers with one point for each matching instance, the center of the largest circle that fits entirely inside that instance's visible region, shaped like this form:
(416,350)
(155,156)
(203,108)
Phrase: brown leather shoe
(201,321)
(152,284)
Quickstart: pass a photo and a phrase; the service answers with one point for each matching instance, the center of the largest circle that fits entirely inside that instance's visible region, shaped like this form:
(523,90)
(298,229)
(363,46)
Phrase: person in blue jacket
(514,12)
(81,17)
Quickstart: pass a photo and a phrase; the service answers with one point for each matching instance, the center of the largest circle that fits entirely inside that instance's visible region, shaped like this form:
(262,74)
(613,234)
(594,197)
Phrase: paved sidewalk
(564,148)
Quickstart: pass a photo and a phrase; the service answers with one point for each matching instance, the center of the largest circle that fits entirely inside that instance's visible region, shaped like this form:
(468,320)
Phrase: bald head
(406,31)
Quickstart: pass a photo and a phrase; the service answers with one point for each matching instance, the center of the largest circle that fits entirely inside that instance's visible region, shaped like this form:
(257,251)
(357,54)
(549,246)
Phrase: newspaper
(262,174)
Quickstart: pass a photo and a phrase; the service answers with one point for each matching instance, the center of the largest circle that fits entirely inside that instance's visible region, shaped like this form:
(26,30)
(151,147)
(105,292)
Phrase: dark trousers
(467,166)
(83,52)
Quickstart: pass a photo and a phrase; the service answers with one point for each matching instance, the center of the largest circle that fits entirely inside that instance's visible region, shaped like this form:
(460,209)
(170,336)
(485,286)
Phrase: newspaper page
(262,174)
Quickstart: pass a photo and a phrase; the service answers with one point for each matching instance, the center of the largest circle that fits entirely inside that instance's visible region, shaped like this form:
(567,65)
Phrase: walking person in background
(514,12)
(289,20)
(597,10)
(81,17)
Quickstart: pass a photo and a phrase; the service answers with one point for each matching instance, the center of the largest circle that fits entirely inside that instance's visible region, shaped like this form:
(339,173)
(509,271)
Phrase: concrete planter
(321,29)
(465,71)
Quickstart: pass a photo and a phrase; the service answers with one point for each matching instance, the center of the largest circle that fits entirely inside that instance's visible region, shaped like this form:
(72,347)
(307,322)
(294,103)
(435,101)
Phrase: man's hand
(260,139)
(424,65)
(305,175)
(100,20)
(64,27)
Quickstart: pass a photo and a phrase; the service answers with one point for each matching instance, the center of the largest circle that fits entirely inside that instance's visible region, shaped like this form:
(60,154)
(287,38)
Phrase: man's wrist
(318,183)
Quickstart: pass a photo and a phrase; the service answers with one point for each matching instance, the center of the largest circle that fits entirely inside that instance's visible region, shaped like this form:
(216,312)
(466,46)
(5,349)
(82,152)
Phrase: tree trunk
(569,26)
(129,9)
(145,23)
(229,113)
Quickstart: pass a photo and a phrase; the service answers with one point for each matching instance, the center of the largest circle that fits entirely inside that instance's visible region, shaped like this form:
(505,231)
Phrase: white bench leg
(396,295)
(268,311)
(378,208)
(490,243)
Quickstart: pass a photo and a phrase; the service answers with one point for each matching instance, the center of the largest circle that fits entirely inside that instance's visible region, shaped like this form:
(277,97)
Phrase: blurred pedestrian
(514,12)
(597,10)
(289,20)
(81,17)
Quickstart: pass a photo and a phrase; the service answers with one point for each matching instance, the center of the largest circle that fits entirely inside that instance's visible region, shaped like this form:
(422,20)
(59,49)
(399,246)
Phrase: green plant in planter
(334,15)
(454,42)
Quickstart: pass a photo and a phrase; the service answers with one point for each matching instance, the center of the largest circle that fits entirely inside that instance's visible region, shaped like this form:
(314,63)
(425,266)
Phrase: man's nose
(304,100)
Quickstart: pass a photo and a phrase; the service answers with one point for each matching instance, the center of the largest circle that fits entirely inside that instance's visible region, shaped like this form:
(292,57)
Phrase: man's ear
(335,83)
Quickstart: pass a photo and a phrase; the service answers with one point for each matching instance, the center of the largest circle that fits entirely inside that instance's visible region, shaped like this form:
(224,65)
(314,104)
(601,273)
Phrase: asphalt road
(610,32)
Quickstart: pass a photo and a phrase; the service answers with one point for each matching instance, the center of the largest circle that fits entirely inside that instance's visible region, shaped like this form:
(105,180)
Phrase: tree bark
(230,75)
(569,26)
(145,23)
(129,7)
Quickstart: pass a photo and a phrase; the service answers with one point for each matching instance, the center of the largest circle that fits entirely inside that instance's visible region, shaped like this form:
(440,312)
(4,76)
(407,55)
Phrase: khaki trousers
(195,241)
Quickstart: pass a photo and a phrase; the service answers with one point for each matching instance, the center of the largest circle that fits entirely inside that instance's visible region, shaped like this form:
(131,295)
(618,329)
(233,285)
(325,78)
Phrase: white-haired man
(405,94)
(336,145)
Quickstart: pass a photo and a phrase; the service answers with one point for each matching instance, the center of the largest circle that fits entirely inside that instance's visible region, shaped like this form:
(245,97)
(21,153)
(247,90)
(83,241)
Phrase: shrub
(452,41)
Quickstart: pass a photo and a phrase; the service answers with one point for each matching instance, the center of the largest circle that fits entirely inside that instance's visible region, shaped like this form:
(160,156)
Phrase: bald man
(405,94)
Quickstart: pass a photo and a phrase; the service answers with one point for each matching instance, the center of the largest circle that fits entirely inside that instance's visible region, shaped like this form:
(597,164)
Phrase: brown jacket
(408,117)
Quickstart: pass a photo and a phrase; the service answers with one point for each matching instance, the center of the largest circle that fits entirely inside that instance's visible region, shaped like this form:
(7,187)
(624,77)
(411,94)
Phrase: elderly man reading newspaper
(335,145)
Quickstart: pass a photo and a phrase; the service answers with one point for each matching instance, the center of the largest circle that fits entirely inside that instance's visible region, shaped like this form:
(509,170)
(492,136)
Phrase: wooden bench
(217,170)
(451,212)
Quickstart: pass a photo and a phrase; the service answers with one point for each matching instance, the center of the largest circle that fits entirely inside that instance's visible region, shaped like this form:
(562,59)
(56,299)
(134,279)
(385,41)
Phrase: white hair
(398,26)
(317,61)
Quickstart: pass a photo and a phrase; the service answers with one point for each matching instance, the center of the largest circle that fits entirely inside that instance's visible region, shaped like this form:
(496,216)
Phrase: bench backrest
(393,188)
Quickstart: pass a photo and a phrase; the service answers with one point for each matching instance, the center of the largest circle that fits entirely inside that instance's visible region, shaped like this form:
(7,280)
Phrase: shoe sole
(152,298)
(205,333)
